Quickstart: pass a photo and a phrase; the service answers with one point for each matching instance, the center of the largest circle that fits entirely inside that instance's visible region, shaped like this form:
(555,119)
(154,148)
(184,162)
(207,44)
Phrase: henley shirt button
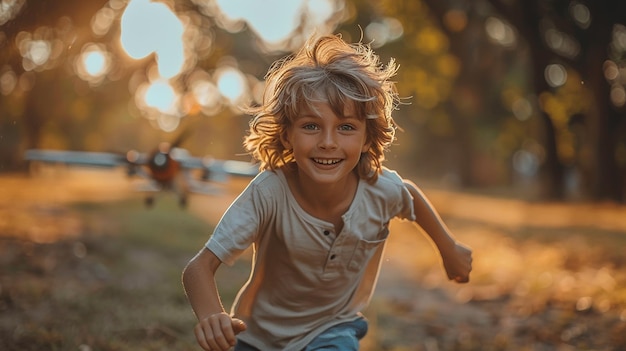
(326,232)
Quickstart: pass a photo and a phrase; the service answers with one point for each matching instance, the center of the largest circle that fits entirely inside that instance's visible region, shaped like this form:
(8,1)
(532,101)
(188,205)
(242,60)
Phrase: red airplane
(168,168)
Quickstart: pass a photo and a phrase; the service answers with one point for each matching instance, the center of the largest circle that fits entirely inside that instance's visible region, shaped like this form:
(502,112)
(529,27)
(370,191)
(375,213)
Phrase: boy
(317,215)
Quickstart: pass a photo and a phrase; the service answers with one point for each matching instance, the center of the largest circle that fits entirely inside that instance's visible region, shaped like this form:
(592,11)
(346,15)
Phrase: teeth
(326,161)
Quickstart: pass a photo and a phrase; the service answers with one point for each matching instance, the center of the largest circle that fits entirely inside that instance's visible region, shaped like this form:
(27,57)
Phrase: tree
(447,45)
(67,23)
(603,122)
(580,126)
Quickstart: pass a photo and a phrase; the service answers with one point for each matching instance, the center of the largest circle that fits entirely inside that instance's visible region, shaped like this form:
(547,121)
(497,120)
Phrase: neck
(325,201)
(326,195)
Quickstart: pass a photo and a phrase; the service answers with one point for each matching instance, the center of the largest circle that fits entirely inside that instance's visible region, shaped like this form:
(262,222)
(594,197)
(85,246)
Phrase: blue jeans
(342,337)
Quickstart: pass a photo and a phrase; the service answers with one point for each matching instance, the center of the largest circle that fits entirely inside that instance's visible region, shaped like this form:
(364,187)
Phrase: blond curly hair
(326,69)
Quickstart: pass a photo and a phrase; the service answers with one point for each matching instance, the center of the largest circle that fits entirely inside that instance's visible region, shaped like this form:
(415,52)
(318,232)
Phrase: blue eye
(309,126)
(346,127)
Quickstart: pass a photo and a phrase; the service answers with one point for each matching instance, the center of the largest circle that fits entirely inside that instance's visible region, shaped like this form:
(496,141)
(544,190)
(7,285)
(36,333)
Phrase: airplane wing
(232,167)
(94,159)
(214,168)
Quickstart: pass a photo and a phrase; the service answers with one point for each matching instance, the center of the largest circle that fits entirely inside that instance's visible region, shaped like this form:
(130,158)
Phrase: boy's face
(327,147)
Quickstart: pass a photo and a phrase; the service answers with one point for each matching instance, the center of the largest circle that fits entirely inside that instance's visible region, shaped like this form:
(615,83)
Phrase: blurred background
(523,98)
(514,122)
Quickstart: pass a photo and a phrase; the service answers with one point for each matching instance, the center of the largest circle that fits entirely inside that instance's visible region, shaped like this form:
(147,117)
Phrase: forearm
(200,287)
(429,220)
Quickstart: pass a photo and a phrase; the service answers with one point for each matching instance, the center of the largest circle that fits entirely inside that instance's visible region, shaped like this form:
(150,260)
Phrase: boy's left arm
(457,258)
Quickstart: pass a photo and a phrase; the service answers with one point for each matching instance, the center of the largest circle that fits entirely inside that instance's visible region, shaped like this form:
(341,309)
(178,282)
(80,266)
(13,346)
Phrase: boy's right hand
(217,332)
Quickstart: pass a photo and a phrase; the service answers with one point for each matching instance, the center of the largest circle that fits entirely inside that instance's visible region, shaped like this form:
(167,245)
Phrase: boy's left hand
(458,263)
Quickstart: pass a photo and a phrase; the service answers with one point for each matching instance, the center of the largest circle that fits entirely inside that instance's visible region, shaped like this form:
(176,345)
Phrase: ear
(284,139)
(366,147)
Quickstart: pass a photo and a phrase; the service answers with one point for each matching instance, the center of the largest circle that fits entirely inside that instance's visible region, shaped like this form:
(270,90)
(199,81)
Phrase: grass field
(83,266)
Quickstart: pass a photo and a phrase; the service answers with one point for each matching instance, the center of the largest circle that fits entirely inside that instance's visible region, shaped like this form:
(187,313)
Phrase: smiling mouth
(327,161)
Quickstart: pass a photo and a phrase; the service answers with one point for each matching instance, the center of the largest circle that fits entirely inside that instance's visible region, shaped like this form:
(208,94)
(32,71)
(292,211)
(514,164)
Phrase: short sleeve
(240,225)
(402,203)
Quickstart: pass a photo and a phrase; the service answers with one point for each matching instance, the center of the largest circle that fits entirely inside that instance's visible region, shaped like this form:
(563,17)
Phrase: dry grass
(84,266)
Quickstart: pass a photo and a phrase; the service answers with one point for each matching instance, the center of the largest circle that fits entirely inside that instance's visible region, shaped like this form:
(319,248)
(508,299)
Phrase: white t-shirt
(305,277)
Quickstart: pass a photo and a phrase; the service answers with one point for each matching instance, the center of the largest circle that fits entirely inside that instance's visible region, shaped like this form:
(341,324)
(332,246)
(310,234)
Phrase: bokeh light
(161,96)
(455,20)
(151,27)
(611,71)
(555,75)
(103,20)
(525,163)
(618,95)
(35,53)
(522,109)
(93,63)
(309,16)
(9,9)
(581,14)
(500,32)
(258,14)
(232,84)
(561,42)
(207,95)
(618,44)
(8,81)
(381,32)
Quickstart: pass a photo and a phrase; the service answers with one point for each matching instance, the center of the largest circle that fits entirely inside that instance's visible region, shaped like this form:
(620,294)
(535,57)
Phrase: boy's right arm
(215,330)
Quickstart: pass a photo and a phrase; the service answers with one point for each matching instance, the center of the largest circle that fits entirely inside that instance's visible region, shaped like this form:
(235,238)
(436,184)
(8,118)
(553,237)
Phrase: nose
(328,140)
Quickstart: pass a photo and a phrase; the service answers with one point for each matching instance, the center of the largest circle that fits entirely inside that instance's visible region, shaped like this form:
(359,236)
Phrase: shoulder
(389,180)
(267,184)
(389,186)
(391,175)
(391,193)
(266,179)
